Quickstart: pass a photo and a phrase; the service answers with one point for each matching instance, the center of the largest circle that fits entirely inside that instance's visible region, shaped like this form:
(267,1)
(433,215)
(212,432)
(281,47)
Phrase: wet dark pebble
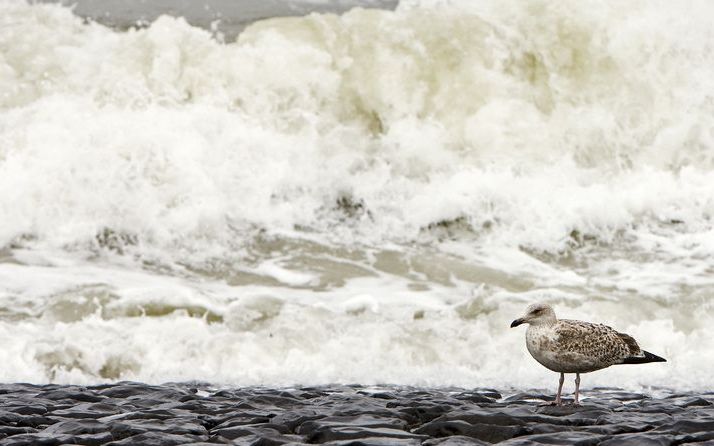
(130,413)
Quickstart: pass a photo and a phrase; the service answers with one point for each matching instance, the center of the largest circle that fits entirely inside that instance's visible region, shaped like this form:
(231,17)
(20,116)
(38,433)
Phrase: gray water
(224,17)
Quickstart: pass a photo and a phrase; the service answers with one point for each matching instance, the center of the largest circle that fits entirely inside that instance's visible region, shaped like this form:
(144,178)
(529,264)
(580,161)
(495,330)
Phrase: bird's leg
(577,388)
(560,389)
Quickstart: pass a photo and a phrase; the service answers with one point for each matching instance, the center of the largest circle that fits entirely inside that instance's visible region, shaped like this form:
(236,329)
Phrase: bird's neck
(545,323)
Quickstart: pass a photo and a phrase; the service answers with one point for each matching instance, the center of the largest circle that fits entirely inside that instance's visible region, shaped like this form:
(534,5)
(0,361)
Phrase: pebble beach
(129,413)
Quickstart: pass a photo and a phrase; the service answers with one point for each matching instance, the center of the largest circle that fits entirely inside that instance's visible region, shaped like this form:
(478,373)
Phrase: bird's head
(536,314)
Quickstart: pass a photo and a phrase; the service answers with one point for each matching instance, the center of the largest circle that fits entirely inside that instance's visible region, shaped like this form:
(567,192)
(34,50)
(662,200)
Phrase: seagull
(567,346)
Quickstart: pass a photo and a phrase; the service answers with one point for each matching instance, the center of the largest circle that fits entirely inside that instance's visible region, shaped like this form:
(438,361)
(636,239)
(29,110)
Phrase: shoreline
(198,413)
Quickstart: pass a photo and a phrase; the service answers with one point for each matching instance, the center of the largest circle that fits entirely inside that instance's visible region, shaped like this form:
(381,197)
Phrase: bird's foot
(551,403)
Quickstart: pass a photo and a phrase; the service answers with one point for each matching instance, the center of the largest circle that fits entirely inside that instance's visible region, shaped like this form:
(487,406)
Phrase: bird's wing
(596,341)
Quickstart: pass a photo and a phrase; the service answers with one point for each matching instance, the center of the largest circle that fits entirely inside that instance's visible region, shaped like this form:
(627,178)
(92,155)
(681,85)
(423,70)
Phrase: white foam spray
(369,197)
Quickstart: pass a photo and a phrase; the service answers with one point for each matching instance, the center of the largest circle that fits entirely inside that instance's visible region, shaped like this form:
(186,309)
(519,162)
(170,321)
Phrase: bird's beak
(517,322)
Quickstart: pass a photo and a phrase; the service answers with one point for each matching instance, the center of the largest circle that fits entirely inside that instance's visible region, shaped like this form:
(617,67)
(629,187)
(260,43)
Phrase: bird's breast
(543,345)
(540,343)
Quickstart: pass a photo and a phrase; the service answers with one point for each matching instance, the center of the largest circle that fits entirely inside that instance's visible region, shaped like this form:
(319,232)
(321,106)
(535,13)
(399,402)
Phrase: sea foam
(369,197)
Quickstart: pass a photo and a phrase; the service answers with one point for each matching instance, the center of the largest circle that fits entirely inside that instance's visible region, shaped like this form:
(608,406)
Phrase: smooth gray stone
(424,413)
(695,437)
(37,439)
(491,433)
(689,401)
(455,440)
(542,428)
(201,443)
(232,433)
(122,391)
(526,397)
(688,426)
(295,418)
(157,439)
(28,410)
(9,417)
(567,438)
(266,440)
(36,421)
(336,433)
(82,411)
(614,429)
(241,419)
(639,440)
(86,396)
(96,439)
(375,442)
(483,416)
(366,421)
(176,426)
(121,431)
(473,397)
(72,427)
(635,418)
(6,431)
(158,414)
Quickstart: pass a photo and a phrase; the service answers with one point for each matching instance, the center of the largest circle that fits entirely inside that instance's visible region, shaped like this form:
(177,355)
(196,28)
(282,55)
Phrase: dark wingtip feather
(649,357)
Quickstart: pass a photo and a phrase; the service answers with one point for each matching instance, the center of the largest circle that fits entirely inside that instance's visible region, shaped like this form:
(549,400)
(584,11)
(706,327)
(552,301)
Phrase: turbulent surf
(365,197)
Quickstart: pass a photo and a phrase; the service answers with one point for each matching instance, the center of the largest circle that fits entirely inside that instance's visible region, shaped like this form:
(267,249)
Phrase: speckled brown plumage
(600,342)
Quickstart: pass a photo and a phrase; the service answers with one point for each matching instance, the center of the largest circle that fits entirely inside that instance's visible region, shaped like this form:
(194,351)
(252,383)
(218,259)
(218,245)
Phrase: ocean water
(225,18)
(367,198)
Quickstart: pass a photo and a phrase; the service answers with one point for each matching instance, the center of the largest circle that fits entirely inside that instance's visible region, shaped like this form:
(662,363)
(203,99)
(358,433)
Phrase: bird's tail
(648,357)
